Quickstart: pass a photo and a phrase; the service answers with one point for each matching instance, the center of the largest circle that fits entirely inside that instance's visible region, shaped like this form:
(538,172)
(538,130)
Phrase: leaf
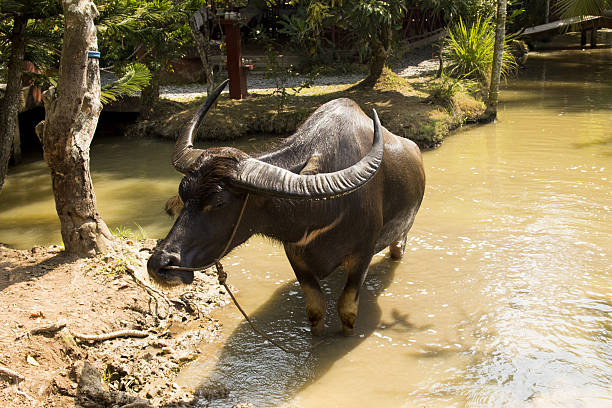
(36,315)
(137,76)
(32,361)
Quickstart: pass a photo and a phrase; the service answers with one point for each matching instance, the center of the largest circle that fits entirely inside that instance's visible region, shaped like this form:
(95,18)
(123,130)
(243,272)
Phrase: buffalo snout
(157,268)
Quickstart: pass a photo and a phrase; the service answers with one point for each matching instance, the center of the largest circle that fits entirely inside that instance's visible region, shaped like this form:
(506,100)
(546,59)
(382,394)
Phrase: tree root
(23,394)
(49,329)
(109,336)
(154,294)
(13,375)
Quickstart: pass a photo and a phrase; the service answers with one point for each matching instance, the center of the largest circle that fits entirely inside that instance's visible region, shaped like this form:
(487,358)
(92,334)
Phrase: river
(504,297)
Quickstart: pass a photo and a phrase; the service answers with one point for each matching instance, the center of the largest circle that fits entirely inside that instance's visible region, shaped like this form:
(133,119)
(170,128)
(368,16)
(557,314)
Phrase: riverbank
(407,106)
(56,311)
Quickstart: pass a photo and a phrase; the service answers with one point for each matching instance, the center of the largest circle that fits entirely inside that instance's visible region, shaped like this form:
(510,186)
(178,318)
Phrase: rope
(222,280)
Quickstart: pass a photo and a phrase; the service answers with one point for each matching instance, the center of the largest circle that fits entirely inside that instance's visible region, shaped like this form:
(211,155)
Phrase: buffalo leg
(356,269)
(315,302)
(397,248)
(313,295)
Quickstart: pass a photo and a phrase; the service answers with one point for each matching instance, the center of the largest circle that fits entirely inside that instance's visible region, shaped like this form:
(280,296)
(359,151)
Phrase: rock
(244,405)
(212,390)
(91,394)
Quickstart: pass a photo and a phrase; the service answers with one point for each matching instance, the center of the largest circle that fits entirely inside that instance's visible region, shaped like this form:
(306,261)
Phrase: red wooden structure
(235,70)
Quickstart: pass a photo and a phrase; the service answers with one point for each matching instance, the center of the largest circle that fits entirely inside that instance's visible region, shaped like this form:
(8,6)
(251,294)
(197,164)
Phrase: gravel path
(416,64)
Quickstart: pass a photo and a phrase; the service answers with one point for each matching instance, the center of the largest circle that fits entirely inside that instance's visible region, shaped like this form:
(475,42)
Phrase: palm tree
(500,32)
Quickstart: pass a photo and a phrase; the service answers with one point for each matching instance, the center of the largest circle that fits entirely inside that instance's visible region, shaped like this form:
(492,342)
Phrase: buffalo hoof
(318,329)
(347,331)
(396,250)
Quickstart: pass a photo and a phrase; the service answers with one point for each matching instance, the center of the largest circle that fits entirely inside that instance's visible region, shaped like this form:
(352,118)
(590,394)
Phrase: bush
(469,51)
(442,91)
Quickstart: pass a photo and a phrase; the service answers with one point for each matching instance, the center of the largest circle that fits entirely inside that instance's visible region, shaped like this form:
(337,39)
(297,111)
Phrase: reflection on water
(502,300)
(132,180)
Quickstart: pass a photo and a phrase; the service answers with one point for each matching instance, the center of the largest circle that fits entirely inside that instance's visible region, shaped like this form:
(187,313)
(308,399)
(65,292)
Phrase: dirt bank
(51,302)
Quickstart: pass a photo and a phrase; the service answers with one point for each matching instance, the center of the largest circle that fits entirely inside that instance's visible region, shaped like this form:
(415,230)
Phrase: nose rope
(222,277)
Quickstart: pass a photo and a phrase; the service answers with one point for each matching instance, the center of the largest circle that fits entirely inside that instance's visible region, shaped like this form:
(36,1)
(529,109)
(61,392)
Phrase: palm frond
(578,8)
(136,77)
(469,50)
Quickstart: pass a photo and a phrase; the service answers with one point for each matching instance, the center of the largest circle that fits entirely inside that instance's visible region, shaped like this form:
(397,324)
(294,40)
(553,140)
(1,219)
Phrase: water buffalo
(339,190)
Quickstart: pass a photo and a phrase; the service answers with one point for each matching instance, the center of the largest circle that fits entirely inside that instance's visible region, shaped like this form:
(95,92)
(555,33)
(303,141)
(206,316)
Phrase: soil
(50,301)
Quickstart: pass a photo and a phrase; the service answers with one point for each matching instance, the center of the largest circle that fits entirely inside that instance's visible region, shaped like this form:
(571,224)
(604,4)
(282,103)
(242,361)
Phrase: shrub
(442,91)
(469,51)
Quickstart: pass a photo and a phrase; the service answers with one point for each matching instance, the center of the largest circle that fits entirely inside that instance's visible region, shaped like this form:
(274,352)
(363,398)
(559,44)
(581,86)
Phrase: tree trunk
(500,32)
(380,53)
(200,31)
(71,117)
(149,96)
(9,106)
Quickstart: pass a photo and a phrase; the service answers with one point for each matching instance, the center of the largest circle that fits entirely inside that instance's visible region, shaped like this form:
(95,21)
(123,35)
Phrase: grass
(126,233)
(403,105)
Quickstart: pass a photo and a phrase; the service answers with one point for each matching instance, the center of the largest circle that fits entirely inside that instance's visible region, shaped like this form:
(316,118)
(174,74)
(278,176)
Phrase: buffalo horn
(185,155)
(257,176)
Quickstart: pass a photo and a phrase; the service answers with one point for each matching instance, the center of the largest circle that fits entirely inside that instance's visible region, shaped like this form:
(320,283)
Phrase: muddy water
(504,297)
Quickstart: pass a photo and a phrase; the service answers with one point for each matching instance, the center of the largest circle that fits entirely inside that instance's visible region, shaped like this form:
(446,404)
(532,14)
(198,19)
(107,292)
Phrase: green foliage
(281,76)
(150,31)
(126,233)
(306,30)
(469,50)
(301,32)
(467,10)
(442,91)
(136,77)
(115,267)
(43,34)
(575,8)
(369,17)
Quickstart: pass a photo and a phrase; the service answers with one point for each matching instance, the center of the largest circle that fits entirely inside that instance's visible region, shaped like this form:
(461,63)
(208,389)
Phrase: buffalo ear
(174,206)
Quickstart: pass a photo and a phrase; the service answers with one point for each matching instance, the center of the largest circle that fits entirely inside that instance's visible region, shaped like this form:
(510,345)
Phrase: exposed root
(154,294)
(136,405)
(49,329)
(23,394)
(13,375)
(109,336)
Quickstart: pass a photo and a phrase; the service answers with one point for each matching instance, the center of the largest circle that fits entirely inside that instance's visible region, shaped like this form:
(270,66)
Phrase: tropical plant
(136,77)
(467,10)
(376,21)
(574,8)
(469,50)
(149,32)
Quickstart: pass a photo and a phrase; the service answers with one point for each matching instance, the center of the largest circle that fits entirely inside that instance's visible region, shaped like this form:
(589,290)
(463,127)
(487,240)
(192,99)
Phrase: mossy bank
(405,106)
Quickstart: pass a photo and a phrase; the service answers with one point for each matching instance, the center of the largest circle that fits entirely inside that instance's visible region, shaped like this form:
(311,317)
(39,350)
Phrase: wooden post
(594,38)
(235,71)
